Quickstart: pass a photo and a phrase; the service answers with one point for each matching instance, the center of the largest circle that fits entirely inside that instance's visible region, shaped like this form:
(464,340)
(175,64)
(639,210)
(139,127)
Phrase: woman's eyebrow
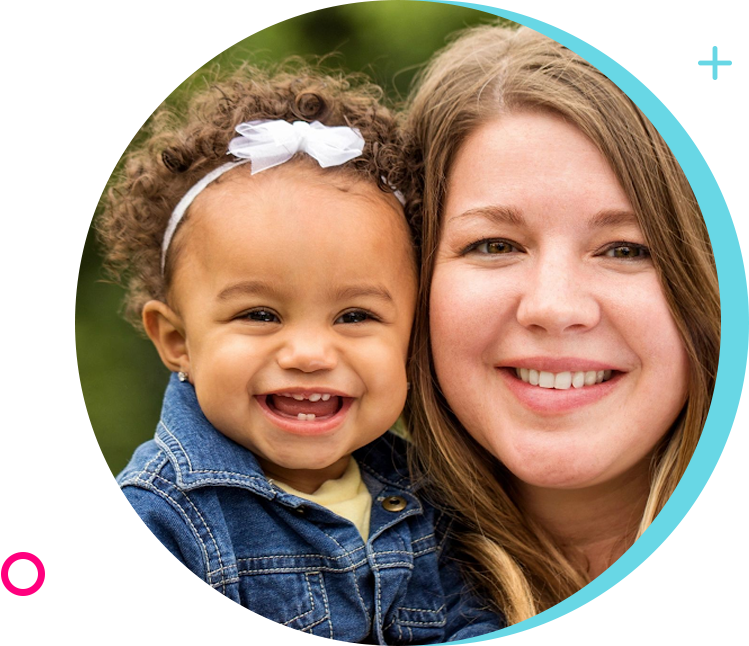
(495,213)
(510,215)
(613,218)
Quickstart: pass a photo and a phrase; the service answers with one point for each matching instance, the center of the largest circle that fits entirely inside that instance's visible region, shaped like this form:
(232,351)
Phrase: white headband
(270,143)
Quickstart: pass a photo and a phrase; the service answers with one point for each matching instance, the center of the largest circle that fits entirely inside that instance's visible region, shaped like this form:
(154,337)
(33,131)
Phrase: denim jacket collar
(202,456)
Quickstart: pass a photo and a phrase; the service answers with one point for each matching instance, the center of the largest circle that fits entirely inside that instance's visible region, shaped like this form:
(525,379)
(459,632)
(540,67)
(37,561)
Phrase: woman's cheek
(448,306)
(462,323)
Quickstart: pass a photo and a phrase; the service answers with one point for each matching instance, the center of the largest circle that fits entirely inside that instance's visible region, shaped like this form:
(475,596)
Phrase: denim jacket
(291,560)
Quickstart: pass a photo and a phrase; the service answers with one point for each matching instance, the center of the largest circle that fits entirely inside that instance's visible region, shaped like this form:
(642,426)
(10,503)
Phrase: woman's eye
(492,247)
(627,251)
(355,316)
(260,315)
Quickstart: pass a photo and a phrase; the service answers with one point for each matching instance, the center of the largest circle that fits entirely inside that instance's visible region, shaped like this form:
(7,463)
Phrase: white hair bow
(270,143)
(266,144)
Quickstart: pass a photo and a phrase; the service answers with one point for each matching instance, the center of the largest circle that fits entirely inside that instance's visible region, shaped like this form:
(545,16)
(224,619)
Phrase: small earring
(182,375)
(408,385)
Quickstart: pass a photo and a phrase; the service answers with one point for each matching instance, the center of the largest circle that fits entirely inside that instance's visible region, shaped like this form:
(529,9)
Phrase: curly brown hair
(180,146)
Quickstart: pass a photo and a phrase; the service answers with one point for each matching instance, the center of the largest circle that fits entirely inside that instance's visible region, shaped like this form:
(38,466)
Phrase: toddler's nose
(308,352)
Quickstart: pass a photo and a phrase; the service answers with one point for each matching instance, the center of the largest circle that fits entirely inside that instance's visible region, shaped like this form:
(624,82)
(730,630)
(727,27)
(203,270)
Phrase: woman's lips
(302,413)
(554,392)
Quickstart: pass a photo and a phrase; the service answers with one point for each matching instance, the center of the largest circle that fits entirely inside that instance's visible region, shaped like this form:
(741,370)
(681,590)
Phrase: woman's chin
(563,471)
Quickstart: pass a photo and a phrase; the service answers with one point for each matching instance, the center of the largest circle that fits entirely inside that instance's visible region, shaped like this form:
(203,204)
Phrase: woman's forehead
(527,163)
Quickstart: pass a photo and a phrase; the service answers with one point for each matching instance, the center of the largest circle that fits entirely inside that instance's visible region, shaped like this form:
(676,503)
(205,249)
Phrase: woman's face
(551,336)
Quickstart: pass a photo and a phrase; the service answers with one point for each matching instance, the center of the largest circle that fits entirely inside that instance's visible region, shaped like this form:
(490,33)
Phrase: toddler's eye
(355,316)
(627,251)
(260,315)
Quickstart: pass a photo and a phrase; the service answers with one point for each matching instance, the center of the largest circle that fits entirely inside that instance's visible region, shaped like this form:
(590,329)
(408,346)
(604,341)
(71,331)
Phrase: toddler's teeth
(315,397)
(546,379)
(302,417)
(578,379)
(606,374)
(517,372)
(599,376)
(590,377)
(524,374)
(325,397)
(299,398)
(533,377)
(311,417)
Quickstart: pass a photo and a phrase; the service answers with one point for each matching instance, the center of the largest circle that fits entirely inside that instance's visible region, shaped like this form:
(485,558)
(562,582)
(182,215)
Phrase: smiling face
(296,290)
(551,337)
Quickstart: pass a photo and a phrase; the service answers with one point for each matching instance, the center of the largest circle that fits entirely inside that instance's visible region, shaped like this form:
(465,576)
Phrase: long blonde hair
(488,71)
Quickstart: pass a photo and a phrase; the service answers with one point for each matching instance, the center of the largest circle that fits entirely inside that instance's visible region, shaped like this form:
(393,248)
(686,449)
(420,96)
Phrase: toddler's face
(296,291)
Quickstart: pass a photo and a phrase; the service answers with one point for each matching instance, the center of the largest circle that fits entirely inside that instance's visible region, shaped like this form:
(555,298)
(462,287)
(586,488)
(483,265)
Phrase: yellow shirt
(347,497)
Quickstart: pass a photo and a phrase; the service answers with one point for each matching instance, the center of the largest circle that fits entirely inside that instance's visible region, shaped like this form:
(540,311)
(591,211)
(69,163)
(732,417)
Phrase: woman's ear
(167,332)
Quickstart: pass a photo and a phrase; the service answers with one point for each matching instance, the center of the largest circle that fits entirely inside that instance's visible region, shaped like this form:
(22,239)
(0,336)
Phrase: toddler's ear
(167,332)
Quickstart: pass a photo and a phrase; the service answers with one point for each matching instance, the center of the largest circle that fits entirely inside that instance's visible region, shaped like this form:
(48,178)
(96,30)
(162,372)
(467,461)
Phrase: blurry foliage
(122,377)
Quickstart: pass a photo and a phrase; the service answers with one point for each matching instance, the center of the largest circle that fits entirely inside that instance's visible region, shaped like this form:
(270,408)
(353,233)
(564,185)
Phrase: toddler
(278,284)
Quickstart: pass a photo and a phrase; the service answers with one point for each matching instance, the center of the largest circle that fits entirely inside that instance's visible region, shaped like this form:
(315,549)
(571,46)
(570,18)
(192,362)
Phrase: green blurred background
(122,378)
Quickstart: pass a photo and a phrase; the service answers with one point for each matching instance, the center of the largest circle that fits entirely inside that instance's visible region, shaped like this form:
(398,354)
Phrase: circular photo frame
(673,69)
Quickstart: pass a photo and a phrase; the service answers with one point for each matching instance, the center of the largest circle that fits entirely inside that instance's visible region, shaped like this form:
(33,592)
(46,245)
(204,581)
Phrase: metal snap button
(394,503)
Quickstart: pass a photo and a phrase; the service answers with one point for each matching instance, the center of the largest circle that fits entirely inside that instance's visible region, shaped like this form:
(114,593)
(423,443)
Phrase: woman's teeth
(562,380)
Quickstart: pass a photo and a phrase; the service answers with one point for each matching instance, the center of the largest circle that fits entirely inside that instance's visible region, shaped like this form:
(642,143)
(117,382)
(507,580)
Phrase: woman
(568,332)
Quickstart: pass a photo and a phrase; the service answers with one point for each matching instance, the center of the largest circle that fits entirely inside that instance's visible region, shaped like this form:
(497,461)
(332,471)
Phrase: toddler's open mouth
(304,406)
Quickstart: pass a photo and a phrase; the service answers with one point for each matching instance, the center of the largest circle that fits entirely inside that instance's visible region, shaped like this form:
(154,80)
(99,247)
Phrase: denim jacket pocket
(421,625)
(296,599)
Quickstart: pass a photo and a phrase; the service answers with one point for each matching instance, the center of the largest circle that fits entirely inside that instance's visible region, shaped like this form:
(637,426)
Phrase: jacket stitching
(299,556)
(350,560)
(440,609)
(240,476)
(345,556)
(327,607)
(301,569)
(428,624)
(179,444)
(160,492)
(205,525)
(147,467)
(311,601)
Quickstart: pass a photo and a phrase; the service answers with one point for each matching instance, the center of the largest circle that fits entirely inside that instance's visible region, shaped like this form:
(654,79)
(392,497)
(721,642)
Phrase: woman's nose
(556,298)
(308,352)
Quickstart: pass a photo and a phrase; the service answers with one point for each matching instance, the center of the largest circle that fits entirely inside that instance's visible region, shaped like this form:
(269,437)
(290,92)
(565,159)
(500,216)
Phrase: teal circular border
(683,67)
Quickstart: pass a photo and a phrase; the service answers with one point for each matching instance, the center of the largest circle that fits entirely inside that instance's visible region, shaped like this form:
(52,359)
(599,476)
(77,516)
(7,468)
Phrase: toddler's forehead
(291,191)
(294,209)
